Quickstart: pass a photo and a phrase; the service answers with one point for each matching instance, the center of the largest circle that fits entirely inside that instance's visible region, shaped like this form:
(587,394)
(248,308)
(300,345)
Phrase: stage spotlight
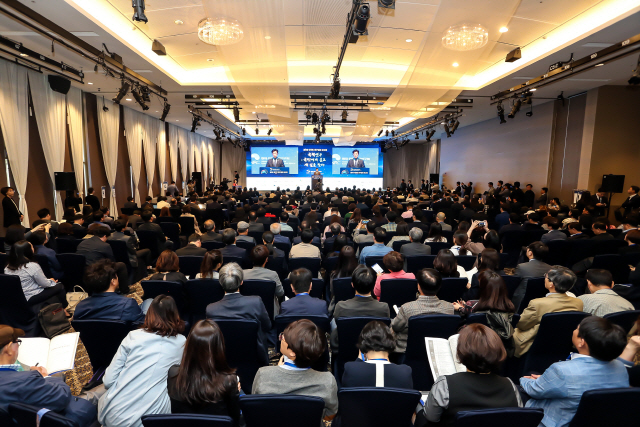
(165,111)
(417,135)
(257,130)
(230,140)
(393,133)
(144,93)
(244,131)
(236,113)
(124,88)
(325,118)
(344,115)
(456,123)
(217,134)
(136,94)
(362,20)
(635,75)
(446,129)
(530,112)
(335,89)
(269,131)
(314,118)
(194,124)
(501,113)
(315,130)
(515,108)
(386,132)
(323,129)
(308,114)
(430,134)
(387,4)
(380,133)
(138,11)
(317,140)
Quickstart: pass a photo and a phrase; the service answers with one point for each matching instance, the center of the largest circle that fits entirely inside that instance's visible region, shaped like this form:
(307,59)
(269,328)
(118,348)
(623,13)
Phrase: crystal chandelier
(465,37)
(220,31)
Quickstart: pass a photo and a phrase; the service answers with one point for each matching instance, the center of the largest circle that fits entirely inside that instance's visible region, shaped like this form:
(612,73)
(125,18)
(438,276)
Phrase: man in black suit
(303,304)
(534,267)
(210,234)
(575,231)
(254,225)
(262,218)
(363,304)
(229,239)
(514,224)
(599,230)
(355,162)
(129,204)
(235,306)
(91,199)
(633,201)
(12,214)
(600,201)
(275,162)
(149,225)
(77,221)
(517,193)
(529,196)
(193,248)
(403,186)
(312,216)
(632,238)
(415,248)
(419,222)
(467,213)
(96,248)
(532,223)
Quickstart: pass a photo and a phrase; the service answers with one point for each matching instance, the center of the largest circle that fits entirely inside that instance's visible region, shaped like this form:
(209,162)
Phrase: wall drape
(149,142)
(173,150)
(433,165)
(183,146)
(205,161)
(215,154)
(161,148)
(133,132)
(109,126)
(233,159)
(76,134)
(14,122)
(196,147)
(410,162)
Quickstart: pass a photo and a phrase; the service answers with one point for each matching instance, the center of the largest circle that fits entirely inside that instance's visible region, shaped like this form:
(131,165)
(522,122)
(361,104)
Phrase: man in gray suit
(172,189)
(415,248)
(260,256)
(355,162)
(535,267)
(235,306)
(440,217)
(554,233)
(275,162)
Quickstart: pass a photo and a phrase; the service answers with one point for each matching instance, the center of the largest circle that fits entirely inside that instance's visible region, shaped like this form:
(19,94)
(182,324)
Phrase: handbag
(73,298)
(53,320)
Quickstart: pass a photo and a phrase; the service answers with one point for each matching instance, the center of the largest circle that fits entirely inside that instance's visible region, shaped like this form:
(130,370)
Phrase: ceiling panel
(522,32)
(295,53)
(293,12)
(396,38)
(389,56)
(321,53)
(555,11)
(407,16)
(199,60)
(162,23)
(326,12)
(294,35)
(186,44)
(316,35)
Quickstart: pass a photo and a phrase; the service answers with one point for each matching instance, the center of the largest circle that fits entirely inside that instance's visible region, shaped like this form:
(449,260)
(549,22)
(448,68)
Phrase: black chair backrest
(609,246)
(246,245)
(620,403)
(288,234)
(512,243)
(397,245)
(241,348)
(500,417)
(172,231)
(14,309)
(190,265)
(187,225)
(512,283)
(342,289)
(201,293)
(417,263)
(73,266)
(370,261)
(120,250)
(361,406)
(452,288)
(311,264)
(317,288)
(430,325)
(580,249)
(242,262)
(625,319)
(148,240)
(535,289)
(264,289)
(558,252)
(466,261)
(79,234)
(43,262)
(27,416)
(67,246)
(437,246)
(257,235)
(101,338)
(153,288)
(553,341)
(266,410)
(186,420)
(397,292)
(212,244)
(362,245)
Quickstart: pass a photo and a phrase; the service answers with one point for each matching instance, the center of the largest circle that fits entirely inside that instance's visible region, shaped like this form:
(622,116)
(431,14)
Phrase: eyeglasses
(18,341)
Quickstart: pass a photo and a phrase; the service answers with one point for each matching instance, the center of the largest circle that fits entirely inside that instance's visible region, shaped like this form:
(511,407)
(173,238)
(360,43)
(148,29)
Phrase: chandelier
(220,31)
(465,37)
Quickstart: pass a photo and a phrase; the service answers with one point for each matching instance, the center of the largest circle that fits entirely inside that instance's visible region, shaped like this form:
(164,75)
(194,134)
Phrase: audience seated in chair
(373,368)
(302,304)
(211,263)
(378,248)
(101,280)
(193,248)
(230,249)
(429,283)
(302,343)
(210,234)
(136,379)
(260,257)
(168,268)
(559,389)
(39,239)
(602,300)
(136,254)
(558,281)
(305,249)
(394,262)
(243,233)
(534,267)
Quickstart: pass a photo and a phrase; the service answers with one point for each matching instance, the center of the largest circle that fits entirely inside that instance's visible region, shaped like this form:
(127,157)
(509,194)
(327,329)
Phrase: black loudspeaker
(612,183)
(197,178)
(59,84)
(65,180)
(434,177)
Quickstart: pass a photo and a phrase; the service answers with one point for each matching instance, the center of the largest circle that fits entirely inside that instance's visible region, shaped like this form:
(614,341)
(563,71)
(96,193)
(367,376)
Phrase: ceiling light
(165,111)
(533,89)
(89,83)
(386,132)
(257,131)
(417,135)
(344,116)
(314,118)
(267,37)
(269,131)
(128,99)
(393,132)
(23,54)
(465,37)
(140,99)
(138,11)
(178,22)
(236,113)
(380,133)
(503,29)
(430,134)
(362,20)
(446,129)
(599,65)
(124,88)
(308,114)
(455,126)
(210,59)
(455,64)
(220,31)
(409,40)
(335,89)
(501,113)
(387,4)
(194,124)
(515,108)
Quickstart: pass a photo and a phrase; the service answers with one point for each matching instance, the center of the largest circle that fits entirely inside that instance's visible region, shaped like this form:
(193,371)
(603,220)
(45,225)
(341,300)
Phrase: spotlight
(139,99)
(335,89)
(314,118)
(138,11)
(230,140)
(387,4)
(105,108)
(344,115)
(515,108)
(325,118)
(236,113)
(144,92)
(430,134)
(308,114)
(257,131)
(455,126)
(315,130)
(386,132)
(194,124)
(165,111)
(380,133)
(217,134)
(417,135)
(244,131)
(635,75)
(446,129)
(501,113)
(269,131)
(323,129)
(393,133)
(362,20)
(530,112)
(124,88)
(95,69)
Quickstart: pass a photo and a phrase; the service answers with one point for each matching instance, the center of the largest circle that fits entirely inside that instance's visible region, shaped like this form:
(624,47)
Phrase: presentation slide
(293,166)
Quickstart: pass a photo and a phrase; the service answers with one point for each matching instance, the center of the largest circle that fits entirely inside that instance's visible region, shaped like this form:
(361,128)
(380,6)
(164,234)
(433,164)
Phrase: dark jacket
(92,201)
(191,250)
(54,264)
(172,276)
(361,374)
(11,212)
(149,226)
(358,307)
(109,306)
(211,236)
(132,245)
(94,250)
(233,251)
(303,305)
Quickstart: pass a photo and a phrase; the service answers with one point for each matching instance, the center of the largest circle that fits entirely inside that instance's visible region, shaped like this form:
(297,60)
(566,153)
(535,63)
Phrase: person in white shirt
(162,203)
(331,212)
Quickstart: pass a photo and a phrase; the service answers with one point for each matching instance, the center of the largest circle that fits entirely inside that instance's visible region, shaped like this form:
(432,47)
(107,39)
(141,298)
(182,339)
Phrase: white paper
(54,355)
(439,356)
(34,351)
(453,346)
(395,307)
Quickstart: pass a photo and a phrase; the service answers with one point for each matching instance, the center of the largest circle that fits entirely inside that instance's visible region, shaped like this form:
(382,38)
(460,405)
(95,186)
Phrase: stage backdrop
(270,166)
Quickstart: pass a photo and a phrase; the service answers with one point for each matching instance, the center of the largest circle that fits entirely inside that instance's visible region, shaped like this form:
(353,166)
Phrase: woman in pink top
(394,262)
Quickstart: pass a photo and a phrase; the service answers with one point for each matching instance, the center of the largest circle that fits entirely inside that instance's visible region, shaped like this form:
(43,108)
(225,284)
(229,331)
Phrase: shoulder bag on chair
(53,320)
(73,298)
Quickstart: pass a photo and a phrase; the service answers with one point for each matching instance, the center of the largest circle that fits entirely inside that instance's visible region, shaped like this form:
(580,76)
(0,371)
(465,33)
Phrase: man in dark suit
(419,222)
(210,234)
(254,225)
(600,201)
(235,306)
(529,196)
(633,201)
(355,162)
(554,233)
(403,186)
(303,304)
(534,267)
(502,218)
(129,204)
(148,225)
(193,248)
(136,254)
(96,248)
(542,200)
(575,231)
(517,193)
(632,238)
(415,248)
(363,304)
(532,223)
(599,230)
(229,239)
(12,214)
(312,216)
(467,213)
(91,199)
(514,224)
(77,220)
(275,162)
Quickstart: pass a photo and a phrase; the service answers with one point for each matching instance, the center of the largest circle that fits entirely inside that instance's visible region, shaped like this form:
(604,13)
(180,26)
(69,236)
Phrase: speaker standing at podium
(317,172)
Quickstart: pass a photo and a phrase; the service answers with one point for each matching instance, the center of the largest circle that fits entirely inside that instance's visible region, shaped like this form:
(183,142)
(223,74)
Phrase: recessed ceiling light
(504,29)
(178,22)
(455,64)
(23,54)
(409,40)
(253,112)
(128,99)
(156,111)
(89,83)
(599,65)
(267,37)
(533,90)
(210,59)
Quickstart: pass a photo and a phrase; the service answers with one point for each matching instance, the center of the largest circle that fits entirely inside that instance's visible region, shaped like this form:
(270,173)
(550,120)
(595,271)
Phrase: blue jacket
(303,305)
(52,393)
(559,389)
(109,306)
(502,219)
(54,265)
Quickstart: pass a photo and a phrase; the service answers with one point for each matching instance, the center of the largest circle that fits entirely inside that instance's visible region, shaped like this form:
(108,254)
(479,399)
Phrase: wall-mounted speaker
(59,84)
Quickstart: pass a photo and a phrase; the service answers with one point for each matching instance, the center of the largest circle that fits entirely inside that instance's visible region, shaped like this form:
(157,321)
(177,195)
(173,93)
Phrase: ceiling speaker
(59,84)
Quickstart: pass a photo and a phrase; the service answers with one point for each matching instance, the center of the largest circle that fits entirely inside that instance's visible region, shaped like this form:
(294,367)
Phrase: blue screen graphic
(363,158)
(285,159)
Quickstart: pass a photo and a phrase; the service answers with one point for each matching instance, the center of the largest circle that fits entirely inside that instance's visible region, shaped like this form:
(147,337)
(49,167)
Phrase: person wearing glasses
(32,385)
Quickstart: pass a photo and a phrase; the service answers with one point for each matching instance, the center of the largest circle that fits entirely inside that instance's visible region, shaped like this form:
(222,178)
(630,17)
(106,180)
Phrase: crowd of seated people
(341,229)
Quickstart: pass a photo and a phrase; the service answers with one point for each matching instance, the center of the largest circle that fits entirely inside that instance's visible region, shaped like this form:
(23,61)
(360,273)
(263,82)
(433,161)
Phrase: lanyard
(292,365)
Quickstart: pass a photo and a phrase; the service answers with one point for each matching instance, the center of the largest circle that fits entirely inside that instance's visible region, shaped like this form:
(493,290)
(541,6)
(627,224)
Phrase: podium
(316,181)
